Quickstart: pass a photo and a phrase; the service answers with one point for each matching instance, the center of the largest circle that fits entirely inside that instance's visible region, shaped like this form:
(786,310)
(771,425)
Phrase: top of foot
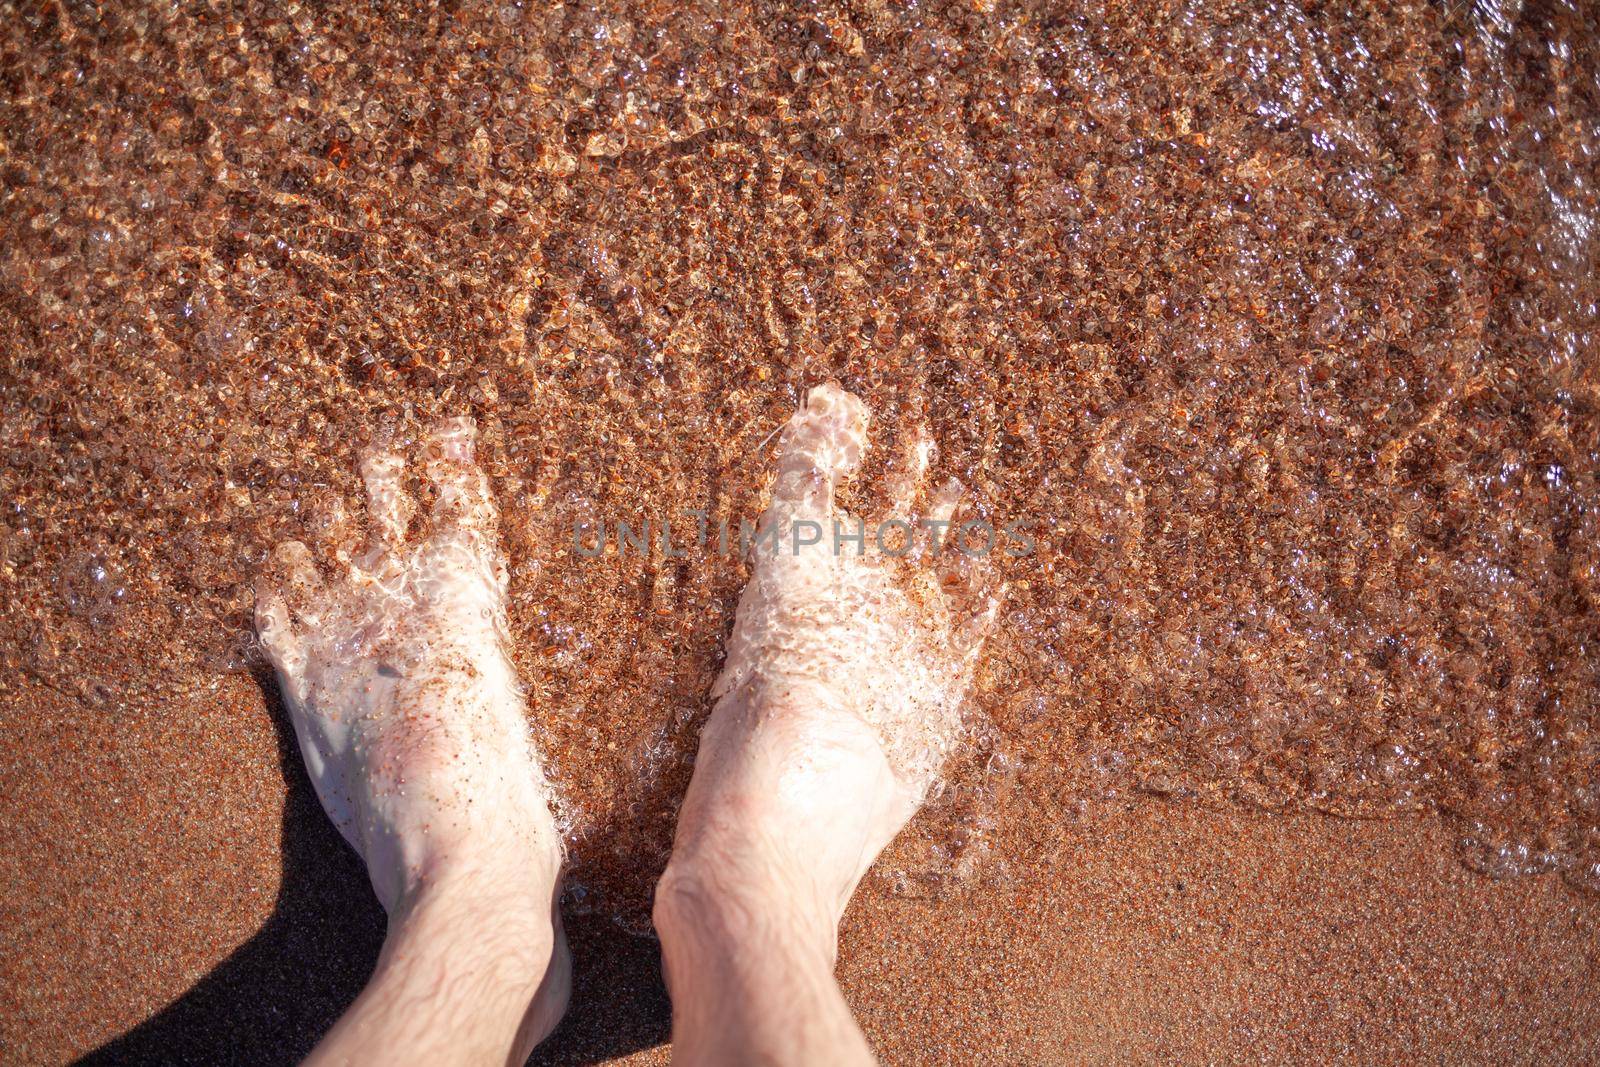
(843,687)
(888,629)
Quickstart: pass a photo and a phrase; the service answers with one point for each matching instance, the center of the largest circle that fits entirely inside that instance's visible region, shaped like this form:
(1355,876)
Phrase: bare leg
(410,720)
(839,700)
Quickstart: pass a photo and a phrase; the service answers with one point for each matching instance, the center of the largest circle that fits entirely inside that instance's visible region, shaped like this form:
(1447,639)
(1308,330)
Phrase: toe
(388,504)
(908,471)
(824,441)
(463,490)
(332,530)
(296,579)
(933,530)
(276,632)
(979,620)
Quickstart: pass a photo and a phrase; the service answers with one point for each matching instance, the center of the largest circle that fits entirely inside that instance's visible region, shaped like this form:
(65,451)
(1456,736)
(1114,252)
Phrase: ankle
(476,957)
(516,862)
(503,912)
(741,908)
(750,971)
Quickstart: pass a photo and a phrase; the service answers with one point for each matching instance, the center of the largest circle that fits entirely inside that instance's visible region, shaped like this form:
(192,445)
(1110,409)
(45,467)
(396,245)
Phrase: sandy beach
(1272,325)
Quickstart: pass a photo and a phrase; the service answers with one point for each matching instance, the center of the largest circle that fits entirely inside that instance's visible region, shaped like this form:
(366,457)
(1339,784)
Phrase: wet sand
(1274,326)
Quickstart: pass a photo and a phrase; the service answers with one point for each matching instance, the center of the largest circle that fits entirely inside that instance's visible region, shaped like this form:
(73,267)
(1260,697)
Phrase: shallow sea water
(1273,324)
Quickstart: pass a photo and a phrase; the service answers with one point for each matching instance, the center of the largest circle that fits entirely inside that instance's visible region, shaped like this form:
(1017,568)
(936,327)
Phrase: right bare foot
(840,697)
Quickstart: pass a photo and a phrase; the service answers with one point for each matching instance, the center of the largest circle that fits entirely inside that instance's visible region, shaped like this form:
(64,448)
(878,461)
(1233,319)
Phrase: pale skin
(839,698)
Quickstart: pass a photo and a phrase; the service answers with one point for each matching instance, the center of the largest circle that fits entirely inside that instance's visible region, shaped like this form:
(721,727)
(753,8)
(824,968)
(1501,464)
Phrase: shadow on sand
(277,994)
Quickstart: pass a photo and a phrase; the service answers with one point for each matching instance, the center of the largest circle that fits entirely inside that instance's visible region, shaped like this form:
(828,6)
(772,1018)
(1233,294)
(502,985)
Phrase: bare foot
(839,700)
(843,686)
(408,710)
